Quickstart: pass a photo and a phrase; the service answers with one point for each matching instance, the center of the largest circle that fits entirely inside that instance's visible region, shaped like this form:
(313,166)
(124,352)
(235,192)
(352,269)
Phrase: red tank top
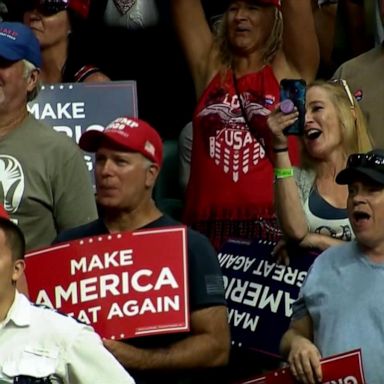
(230,190)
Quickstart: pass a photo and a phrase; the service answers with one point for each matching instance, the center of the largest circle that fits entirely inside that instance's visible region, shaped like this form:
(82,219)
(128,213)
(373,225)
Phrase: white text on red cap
(121,123)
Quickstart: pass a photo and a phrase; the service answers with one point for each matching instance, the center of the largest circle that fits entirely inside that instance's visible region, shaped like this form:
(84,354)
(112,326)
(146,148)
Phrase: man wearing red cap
(128,161)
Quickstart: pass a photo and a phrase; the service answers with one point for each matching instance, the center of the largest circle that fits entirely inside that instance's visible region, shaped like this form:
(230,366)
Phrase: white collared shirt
(39,342)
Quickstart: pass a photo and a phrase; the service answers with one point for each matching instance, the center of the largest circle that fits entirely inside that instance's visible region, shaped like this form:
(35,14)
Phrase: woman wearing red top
(246,54)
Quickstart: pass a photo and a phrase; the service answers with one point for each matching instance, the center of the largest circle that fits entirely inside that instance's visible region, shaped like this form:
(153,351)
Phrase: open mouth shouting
(312,133)
(360,219)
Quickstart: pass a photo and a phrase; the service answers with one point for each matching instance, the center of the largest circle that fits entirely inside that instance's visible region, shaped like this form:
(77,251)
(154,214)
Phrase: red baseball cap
(81,7)
(129,133)
(3,213)
(51,7)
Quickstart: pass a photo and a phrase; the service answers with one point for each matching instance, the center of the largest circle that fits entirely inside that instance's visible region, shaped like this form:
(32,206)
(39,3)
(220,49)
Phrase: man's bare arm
(302,355)
(207,346)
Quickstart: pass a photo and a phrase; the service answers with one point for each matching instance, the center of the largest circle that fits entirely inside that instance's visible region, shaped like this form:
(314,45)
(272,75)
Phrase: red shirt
(231,178)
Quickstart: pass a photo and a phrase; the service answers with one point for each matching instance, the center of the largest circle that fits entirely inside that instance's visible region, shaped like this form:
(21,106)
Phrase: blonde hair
(272,45)
(355,135)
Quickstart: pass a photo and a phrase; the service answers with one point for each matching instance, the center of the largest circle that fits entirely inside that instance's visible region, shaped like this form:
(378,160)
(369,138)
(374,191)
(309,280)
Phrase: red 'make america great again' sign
(124,285)
(344,368)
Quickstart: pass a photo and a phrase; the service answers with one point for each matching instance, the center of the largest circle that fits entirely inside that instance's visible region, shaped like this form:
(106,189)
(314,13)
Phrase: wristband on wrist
(282,149)
(283,173)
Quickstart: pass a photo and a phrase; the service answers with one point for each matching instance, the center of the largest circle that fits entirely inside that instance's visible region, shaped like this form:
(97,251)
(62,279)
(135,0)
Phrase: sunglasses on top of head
(343,83)
(48,7)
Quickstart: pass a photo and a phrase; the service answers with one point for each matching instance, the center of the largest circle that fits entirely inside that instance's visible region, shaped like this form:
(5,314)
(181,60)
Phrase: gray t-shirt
(344,295)
(44,183)
(364,75)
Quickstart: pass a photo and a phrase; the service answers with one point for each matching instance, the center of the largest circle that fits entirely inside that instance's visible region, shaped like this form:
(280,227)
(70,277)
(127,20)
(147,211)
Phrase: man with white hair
(128,160)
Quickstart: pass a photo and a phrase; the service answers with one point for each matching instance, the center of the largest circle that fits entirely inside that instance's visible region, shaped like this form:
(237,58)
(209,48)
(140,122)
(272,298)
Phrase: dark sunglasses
(370,160)
(343,83)
(48,7)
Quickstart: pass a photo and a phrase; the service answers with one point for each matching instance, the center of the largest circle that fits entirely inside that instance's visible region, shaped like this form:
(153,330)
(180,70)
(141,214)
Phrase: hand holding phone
(292,94)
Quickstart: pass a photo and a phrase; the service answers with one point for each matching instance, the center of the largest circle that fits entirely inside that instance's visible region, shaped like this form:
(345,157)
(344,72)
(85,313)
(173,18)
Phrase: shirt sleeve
(205,276)
(90,362)
(299,307)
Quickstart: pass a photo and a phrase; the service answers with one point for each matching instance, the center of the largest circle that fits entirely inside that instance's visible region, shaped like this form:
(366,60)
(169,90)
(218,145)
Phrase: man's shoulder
(55,322)
(195,239)
(365,59)
(55,318)
(42,131)
(38,126)
(93,228)
(63,328)
(198,240)
(336,255)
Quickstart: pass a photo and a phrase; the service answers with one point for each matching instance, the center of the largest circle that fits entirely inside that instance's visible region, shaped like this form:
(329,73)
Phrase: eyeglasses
(48,7)
(345,86)
(371,160)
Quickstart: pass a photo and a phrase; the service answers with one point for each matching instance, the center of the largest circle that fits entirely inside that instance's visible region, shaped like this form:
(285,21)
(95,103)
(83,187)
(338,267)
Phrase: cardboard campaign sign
(260,292)
(346,368)
(73,108)
(125,285)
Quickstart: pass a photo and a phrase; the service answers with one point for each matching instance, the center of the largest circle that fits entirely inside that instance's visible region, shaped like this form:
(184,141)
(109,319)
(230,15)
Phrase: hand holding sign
(345,368)
(124,285)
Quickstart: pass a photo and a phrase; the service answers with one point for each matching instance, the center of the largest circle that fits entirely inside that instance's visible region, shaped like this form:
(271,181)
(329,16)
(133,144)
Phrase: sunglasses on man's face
(370,160)
(48,7)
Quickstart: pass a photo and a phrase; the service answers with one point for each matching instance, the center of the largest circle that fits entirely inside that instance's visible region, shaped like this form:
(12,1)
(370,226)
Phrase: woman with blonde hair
(311,206)
(236,67)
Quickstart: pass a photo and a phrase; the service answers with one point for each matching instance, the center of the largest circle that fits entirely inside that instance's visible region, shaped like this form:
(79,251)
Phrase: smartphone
(294,90)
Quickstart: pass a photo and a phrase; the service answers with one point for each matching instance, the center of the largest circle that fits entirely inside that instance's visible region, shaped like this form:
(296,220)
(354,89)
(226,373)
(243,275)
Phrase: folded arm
(206,347)
(319,241)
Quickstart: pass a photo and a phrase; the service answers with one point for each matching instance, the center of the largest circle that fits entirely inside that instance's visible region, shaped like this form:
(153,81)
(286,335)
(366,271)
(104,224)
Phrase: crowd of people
(244,177)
